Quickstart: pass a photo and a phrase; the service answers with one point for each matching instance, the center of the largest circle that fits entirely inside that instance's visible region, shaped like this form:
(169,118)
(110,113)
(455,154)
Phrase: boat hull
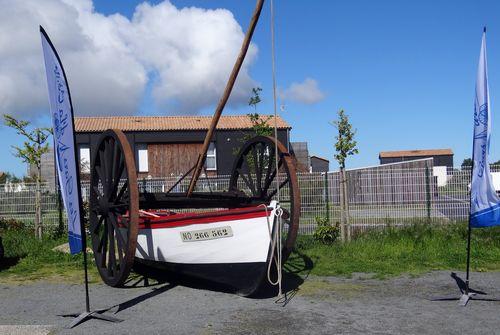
(196,247)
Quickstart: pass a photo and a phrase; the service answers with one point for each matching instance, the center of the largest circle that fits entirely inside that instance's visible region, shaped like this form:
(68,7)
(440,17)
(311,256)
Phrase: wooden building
(319,164)
(169,145)
(441,157)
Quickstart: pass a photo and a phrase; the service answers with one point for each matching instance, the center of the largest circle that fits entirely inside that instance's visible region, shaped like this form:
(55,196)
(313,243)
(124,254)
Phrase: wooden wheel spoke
(261,164)
(273,193)
(100,174)
(118,205)
(118,174)
(258,171)
(111,250)
(113,170)
(102,247)
(115,225)
(122,191)
(270,180)
(247,182)
(109,167)
(102,171)
(97,192)
(121,247)
(270,164)
(120,243)
(94,226)
(247,176)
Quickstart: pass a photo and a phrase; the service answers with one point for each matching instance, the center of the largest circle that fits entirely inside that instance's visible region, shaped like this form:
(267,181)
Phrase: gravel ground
(320,305)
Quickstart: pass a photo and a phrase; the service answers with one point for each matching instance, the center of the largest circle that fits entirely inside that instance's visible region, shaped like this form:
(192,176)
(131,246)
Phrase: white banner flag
(485,204)
(61,110)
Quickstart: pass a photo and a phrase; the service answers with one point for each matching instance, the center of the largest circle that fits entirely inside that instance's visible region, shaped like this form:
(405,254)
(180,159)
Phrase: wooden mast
(225,96)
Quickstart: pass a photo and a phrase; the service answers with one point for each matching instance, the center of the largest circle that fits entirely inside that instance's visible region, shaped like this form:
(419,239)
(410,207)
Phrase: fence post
(60,228)
(346,209)
(327,197)
(342,205)
(428,193)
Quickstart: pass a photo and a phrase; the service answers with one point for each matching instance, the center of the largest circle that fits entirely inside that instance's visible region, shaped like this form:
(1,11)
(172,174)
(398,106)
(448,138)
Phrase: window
(84,152)
(142,157)
(211,161)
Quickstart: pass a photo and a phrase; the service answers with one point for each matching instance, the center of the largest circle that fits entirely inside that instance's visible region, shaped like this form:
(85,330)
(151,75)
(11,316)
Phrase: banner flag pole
(68,166)
(484,204)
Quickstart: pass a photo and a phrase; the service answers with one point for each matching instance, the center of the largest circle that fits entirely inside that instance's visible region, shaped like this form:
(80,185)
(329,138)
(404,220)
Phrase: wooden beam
(225,95)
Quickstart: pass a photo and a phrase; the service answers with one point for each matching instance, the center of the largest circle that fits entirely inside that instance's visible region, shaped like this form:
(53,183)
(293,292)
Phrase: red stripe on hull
(185,219)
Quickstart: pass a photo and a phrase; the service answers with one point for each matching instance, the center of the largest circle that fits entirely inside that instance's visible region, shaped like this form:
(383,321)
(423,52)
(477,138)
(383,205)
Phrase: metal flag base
(467,293)
(465,298)
(82,317)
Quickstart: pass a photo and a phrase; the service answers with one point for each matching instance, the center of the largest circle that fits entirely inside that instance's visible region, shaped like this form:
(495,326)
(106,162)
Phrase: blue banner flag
(484,202)
(61,111)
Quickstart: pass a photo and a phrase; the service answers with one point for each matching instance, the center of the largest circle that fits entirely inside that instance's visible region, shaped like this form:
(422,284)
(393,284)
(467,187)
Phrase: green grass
(413,250)
(28,259)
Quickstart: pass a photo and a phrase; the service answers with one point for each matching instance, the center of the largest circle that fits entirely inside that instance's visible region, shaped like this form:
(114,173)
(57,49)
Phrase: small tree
(35,145)
(255,98)
(260,125)
(467,162)
(345,146)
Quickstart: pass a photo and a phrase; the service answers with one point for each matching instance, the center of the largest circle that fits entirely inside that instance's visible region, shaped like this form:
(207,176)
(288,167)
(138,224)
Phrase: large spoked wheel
(114,207)
(254,173)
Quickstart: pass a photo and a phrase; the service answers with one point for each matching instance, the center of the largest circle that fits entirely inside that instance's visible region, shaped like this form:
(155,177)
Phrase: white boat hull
(232,248)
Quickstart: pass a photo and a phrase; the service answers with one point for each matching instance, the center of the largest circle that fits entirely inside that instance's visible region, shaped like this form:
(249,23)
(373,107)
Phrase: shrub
(326,232)
(11,224)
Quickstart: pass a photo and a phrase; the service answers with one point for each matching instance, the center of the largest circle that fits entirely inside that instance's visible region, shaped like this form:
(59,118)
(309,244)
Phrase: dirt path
(319,306)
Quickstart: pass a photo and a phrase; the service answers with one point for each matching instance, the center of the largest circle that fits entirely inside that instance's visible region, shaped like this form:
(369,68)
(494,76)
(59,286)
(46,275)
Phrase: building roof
(416,153)
(317,157)
(173,123)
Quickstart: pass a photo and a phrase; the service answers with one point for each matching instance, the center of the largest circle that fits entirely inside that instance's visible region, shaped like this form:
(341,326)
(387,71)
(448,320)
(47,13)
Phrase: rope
(278,233)
(273,236)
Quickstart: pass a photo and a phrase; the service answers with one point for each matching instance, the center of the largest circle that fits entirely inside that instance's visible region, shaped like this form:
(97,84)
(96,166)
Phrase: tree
(6,177)
(467,163)
(345,146)
(255,98)
(35,145)
(260,125)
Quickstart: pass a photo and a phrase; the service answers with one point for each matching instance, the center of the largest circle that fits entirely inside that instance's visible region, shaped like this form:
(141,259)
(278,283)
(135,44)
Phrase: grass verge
(393,251)
(28,259)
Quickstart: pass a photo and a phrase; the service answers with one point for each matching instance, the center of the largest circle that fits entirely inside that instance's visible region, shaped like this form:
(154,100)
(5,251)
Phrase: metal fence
(394,194)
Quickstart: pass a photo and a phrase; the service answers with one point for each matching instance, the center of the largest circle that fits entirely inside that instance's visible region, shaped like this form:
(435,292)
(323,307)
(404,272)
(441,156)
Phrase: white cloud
(306,92)
(109,59)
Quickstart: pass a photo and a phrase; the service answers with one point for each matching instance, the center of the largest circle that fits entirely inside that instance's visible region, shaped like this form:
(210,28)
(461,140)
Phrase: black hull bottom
(241,278)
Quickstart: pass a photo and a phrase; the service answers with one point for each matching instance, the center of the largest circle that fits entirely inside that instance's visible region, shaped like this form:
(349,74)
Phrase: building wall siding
(319,165)
(445,160)
(167,159)
(227,144)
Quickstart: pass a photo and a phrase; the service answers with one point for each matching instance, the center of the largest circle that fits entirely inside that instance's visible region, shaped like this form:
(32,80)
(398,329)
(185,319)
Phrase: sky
(404,71)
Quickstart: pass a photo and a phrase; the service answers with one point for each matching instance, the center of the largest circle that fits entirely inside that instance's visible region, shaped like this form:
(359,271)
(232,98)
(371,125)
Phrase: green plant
(11,224)
(344,147)
(35,145)
(326,232)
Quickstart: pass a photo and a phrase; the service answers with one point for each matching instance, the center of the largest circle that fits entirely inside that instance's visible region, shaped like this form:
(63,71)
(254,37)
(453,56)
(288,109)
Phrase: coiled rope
(274,236)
